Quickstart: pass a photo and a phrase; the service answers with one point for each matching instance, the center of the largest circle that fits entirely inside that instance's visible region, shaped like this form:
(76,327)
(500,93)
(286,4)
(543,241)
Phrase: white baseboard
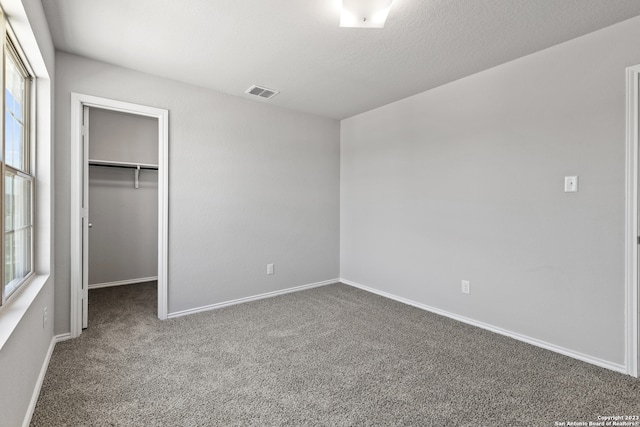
(533,341)
(251,298)
(62,337)
(43,371)
(122,282)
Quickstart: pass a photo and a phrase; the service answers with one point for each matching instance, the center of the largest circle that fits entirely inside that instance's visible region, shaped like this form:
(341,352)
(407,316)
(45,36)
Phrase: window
(18,179)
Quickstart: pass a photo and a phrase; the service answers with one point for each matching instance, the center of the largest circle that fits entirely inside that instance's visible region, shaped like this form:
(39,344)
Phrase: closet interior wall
(123,240)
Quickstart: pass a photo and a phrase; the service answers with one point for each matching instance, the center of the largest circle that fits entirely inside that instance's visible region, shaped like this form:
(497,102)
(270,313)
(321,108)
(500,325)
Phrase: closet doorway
(123,199)
(119,199)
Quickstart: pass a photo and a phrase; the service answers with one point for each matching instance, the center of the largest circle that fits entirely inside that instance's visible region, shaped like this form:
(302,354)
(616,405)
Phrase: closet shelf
(129,165)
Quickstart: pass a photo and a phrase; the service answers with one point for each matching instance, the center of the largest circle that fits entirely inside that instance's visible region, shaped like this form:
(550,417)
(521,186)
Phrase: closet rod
(128,165)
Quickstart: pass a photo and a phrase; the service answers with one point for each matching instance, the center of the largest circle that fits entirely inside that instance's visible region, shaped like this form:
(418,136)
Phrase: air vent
(262,92)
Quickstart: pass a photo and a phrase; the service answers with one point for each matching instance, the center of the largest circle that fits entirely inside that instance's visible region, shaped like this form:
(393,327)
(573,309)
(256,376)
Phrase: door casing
(79,228)
(632,295)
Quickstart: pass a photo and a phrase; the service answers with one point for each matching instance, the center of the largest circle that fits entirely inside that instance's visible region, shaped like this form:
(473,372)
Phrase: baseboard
(62,337)
(123,282)
(251,298)
(43,371)
(533,341)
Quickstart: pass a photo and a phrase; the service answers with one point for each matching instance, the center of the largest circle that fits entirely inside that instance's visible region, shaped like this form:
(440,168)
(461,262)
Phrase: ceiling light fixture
(364,13)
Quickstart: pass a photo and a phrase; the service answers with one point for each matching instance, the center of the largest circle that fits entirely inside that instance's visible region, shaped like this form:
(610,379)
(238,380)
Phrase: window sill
(12,312)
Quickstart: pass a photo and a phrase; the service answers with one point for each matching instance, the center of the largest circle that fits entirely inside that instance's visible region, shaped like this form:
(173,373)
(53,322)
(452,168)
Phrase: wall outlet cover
(466,287)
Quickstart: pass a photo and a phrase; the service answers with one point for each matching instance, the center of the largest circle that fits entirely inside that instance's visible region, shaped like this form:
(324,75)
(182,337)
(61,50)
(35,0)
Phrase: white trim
(542,344)
(163,215)
(78,101)
(251,298)
(632,305)
(122,282)
(76,218)
(62,337)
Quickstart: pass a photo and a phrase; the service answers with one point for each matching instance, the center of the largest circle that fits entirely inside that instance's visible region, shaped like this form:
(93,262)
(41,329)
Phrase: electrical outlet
(45,318)
(466,287)
(269,268)
(570,184)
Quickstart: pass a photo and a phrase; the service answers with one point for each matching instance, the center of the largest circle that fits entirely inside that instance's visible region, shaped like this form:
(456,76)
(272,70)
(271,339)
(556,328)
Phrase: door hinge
(639,240)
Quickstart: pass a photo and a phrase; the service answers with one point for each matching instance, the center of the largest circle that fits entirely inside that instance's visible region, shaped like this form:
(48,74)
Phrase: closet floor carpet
(328,356)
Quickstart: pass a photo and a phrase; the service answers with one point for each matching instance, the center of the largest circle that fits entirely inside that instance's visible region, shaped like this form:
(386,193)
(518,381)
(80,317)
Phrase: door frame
(632,238)
(78,102)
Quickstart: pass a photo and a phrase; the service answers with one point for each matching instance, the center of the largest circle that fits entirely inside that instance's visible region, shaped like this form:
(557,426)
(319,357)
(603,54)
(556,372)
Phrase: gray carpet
(329,356)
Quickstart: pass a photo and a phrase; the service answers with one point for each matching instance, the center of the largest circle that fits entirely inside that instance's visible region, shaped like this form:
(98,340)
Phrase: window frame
(10,48)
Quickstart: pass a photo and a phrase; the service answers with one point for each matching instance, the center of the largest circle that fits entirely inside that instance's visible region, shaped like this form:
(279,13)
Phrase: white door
(85,217)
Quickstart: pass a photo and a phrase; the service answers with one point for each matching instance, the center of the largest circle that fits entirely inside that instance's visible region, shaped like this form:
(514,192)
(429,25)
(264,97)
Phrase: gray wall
(23,355)
(122,137)
(22,358)
(249,184)
(123,242)
(466,182)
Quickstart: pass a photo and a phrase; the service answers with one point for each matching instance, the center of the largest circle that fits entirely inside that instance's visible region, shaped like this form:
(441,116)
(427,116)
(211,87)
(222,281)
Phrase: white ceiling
(297,47)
